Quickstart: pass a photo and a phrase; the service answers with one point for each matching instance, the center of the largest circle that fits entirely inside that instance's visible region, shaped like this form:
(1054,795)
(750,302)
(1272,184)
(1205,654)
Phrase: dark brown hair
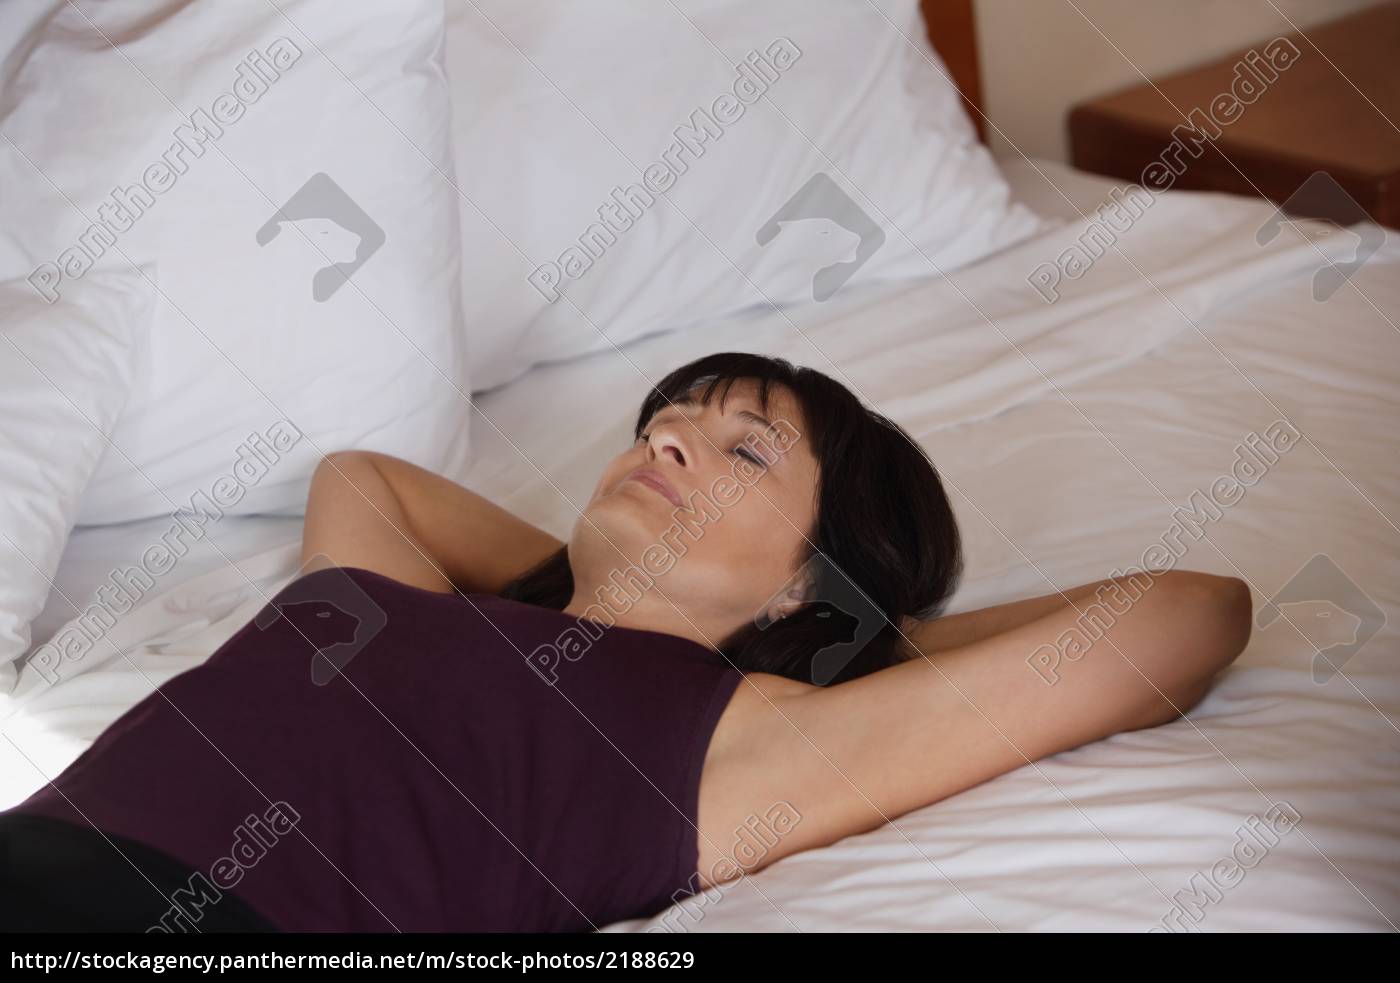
(884,525)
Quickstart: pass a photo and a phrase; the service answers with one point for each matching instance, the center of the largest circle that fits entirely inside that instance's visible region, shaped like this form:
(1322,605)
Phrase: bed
(1075,437)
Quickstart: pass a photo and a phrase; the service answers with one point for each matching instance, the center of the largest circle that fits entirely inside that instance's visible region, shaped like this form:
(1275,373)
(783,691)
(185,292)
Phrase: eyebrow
(690,401)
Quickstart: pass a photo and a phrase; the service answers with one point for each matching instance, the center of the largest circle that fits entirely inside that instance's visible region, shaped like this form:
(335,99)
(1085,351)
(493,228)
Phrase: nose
(671,442)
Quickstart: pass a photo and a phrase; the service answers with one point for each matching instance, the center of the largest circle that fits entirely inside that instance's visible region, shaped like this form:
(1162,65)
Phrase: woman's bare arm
(385,514)
(964,628)
(848,757)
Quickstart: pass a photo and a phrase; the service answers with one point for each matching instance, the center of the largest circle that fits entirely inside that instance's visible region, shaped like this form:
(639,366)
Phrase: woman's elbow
(1219,610)
(1232,616)
(1221,613)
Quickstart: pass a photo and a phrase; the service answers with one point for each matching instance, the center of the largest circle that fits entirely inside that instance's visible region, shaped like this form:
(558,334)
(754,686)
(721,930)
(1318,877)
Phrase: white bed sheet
(1051,489)
(96,556)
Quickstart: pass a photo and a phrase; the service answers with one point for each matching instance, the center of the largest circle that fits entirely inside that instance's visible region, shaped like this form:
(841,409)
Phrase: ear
(797,592)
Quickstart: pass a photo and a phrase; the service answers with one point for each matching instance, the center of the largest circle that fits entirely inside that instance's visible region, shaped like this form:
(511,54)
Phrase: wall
(1040,57)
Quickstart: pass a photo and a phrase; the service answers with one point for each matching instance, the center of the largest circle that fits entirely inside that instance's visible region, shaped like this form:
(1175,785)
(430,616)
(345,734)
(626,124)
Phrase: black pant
(58,877)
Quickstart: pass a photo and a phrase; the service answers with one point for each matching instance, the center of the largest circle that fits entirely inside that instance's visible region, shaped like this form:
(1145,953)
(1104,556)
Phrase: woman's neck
(610,605)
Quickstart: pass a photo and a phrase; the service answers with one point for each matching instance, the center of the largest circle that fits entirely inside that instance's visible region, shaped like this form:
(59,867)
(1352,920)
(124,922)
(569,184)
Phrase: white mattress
(1065,455)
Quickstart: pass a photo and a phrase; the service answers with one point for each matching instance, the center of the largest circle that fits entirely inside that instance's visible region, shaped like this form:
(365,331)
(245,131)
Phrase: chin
(626,520)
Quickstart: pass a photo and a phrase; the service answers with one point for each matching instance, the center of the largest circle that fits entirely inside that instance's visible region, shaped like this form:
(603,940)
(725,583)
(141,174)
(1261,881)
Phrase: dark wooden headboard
(952,28)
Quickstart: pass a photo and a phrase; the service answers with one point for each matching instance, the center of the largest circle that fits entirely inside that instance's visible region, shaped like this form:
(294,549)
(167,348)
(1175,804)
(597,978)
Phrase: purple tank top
(459,764)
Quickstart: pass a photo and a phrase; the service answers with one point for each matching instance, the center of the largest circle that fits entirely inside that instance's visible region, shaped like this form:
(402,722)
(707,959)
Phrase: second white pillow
(632,168)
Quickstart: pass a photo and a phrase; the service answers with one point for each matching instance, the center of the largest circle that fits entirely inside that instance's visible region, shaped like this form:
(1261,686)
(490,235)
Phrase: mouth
(653,479)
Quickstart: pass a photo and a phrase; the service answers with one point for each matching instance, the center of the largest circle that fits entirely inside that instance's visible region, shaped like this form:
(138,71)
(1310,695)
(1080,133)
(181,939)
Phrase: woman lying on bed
(452,720)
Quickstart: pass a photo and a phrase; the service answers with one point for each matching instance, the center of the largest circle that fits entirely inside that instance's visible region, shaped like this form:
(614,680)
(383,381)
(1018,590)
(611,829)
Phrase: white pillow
(532,158)
(259,362)
(65,374)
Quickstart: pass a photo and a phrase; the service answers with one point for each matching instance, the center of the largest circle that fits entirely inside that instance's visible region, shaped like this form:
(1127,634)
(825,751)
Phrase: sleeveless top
(381,757)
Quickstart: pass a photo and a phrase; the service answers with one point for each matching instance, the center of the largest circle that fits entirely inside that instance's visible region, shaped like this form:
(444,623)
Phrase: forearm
(1176,634)
(954,630)
(378,511)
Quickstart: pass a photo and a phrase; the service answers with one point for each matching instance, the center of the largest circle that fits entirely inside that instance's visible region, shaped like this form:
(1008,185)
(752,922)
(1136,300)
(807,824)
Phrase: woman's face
(710,513)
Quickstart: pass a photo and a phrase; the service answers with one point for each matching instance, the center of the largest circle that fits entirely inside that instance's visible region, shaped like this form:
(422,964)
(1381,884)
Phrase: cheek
(764,536)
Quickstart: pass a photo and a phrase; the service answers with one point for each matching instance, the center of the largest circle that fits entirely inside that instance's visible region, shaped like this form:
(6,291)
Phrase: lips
(653,479)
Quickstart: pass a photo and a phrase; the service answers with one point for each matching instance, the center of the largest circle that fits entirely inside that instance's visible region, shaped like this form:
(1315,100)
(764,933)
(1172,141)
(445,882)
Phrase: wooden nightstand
(1278,112)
